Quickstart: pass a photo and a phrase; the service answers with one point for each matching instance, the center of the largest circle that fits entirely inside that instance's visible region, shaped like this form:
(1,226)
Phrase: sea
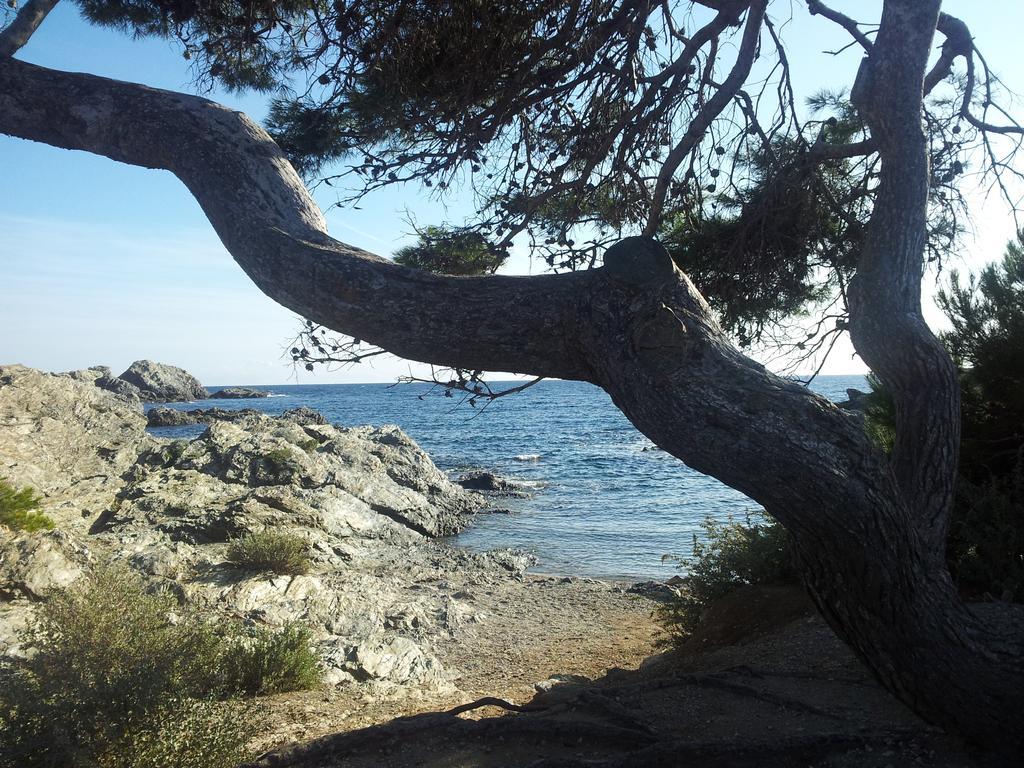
(605,502)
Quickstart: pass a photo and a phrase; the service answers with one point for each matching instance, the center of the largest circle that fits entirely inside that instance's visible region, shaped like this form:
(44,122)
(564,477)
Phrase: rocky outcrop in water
(487,482)
(161,383)
(162,416)
(380,593)
(855,400)
(238,393)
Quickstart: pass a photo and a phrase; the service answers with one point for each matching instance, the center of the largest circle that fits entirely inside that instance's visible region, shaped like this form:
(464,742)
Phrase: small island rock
(159,383)
(238,393)
(488,482)
(170,417)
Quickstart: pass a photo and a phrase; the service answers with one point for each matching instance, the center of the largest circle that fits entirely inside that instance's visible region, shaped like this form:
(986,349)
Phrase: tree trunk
(869,529)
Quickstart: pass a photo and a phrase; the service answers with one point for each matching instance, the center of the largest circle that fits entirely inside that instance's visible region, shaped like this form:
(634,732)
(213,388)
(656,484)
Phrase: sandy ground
(529,631)
(764,683)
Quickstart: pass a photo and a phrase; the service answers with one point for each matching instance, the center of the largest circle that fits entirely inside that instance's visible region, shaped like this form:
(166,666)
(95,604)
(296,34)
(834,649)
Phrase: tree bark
(869,530)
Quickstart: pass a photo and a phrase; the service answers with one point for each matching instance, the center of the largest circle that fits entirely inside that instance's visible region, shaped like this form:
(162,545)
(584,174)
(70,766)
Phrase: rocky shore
(396,612)
(418,639)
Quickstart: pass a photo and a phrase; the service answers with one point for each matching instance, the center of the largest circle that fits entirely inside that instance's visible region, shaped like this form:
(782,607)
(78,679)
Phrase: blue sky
(106,263)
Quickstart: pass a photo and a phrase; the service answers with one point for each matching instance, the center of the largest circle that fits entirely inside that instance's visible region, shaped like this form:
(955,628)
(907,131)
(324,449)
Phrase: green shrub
(309,445)
(173,451)
(124,678)
(281,462)
(270,551)
(189,733)
(19,509)
(731,555)
(118,679)
(263,661)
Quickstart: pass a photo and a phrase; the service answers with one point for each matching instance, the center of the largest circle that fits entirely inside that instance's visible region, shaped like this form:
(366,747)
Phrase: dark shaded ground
(765,683)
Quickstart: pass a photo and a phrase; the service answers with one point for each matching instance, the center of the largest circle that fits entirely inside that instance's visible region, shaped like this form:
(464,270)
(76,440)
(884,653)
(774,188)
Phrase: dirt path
(521,634)
(765,684)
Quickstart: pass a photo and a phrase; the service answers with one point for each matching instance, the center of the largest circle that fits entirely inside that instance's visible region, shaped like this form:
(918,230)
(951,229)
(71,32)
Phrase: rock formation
(160,383)
(238,393)
(368,501)
(162,416)
(487,482)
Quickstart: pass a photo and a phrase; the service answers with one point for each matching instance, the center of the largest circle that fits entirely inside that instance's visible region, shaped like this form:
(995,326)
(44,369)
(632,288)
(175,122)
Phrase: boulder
(120,387)
(169,417)
(395,660)
(103,377)
(89,375)
(855,400)
(238,393)
(304,417)
(159,383)
(490,483)
(655,590)
(67,439)
(31,565)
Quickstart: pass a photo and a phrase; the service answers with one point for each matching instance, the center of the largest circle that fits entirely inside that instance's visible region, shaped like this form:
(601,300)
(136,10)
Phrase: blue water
(603,506)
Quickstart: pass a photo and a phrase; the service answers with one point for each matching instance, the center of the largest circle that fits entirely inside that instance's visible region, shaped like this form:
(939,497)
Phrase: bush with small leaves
(262,661)
(19,509)
(732,554)
(119,676)
(281,465)
(271,551)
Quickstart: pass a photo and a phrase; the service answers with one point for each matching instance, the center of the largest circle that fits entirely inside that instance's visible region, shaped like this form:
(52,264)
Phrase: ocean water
(605,501)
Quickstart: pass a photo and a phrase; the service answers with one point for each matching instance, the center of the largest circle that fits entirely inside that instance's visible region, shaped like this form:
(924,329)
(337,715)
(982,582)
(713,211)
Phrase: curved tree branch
(267,221)
(18,33)
(711,110)
(568,326)
(818,8)
(958,42)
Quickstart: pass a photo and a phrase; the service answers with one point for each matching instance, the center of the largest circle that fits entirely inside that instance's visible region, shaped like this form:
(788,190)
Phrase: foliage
(775,244)
(174,451)
(986,546)
(452,252)
(731,554)
(569,122)
(114,680)
(124,677)
(880,414)
(309,445)
(19,509)
(986,543)
(262,661)
(273,551)
(281,463)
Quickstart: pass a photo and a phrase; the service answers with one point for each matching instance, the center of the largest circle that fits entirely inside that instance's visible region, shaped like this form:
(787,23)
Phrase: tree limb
(822,150)
(711,110)
(274,230)
(886,324)
(958,42)
(31,15)
(598,326)
(818,8)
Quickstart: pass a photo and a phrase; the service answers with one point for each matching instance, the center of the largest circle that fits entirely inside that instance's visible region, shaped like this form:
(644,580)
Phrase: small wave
(272,394)
(527,457)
